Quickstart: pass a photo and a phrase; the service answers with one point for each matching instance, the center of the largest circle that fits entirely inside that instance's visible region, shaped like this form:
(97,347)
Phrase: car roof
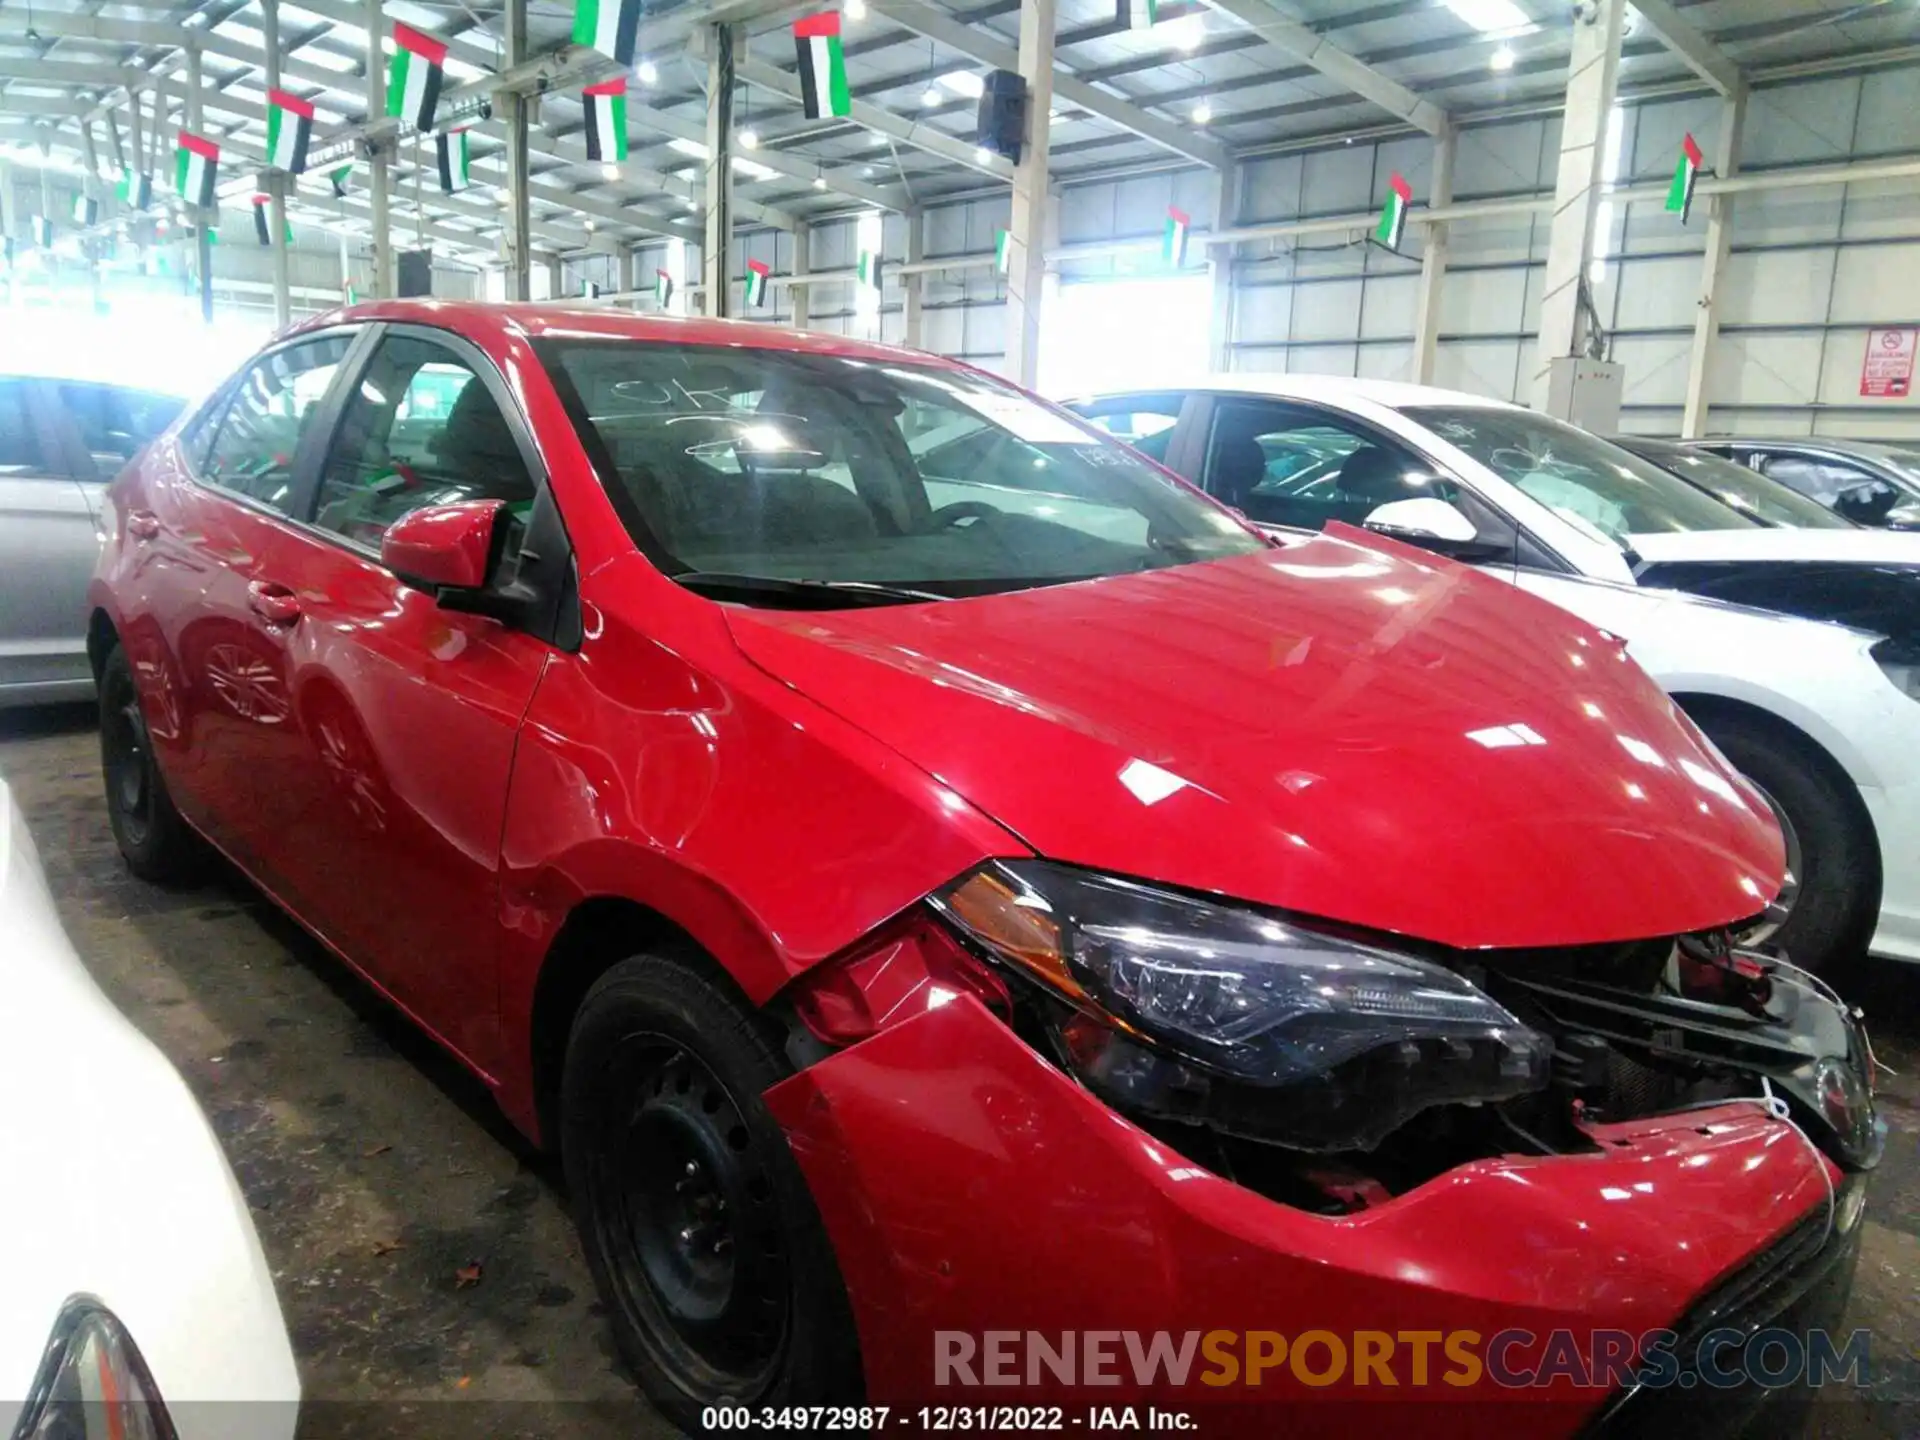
(1396,394)
(558,320)
(1819,444)
(71,377)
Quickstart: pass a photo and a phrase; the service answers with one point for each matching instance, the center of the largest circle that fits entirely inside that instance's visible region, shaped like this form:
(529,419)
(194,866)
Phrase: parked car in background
(129,1266)
(980,887)
(1735,485)
(61,441)
(1868,483)
(1825,721)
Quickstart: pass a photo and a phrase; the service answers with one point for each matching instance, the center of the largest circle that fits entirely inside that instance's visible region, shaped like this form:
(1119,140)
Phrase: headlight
(1900,663)
(92,1383)
(1203,1011)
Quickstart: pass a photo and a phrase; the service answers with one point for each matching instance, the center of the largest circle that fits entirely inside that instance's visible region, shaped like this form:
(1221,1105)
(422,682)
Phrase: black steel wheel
(156,843)
(697,1222)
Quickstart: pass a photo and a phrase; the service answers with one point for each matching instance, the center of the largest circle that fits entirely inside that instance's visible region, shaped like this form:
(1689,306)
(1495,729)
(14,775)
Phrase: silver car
(61,443)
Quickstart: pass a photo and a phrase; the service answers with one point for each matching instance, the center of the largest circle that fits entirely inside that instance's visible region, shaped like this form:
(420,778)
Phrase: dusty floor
(379,1172)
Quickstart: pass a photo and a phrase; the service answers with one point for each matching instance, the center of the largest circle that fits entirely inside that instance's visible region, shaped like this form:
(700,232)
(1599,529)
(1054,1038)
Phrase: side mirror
(444,547)
(1423,518)
(1868,503)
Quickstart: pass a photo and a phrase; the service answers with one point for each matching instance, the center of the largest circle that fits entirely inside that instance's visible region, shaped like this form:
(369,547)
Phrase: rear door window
(268,415)
(115,423)
(20,449)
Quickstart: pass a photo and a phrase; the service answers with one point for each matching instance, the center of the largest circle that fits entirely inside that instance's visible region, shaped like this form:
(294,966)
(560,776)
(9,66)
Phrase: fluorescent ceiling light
(1186,33)
(964,82)
(461,69)
(753,169)
(684,146)
(1490,15)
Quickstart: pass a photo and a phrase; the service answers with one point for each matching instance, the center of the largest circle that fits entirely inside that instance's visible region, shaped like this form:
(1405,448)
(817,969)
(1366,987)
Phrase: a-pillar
(1592,72)
(1713,265)
(1026,233)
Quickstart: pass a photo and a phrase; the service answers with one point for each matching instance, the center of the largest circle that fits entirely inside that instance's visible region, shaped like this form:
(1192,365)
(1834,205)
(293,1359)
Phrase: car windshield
(1594,485)
(778,467)
(1751,494)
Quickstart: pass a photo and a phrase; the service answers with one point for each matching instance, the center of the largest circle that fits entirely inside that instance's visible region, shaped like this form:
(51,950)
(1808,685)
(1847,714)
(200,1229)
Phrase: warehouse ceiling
(1205,81)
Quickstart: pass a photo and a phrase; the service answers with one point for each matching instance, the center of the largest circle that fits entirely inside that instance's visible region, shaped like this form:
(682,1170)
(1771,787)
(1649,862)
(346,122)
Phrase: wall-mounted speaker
(1002,126)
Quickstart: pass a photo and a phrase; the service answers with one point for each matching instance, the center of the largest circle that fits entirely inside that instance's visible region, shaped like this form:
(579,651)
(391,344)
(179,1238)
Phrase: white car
(129,1266)
(1823,717)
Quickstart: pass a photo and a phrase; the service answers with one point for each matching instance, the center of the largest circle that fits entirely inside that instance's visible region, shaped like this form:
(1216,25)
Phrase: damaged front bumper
(977,1197)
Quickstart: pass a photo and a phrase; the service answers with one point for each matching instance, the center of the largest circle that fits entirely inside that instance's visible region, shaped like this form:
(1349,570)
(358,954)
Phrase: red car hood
(1331,728)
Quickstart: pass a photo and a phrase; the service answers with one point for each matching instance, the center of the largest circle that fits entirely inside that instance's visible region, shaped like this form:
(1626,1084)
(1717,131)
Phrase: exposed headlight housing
(1180,1008)
(1899,661)
(92,1383)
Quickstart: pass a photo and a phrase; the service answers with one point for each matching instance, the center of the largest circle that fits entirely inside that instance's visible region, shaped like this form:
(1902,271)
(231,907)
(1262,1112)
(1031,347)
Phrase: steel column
(1592,72)
(913,283)
(802,263)
(1433,262)
(1706,321)
(380,152)
(202,240)
(1220,258)
(517,230)
(716,248)
(1027,260)
(276,179)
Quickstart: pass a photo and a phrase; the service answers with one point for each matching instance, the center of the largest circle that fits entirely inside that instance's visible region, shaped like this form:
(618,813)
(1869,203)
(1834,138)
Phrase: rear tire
(1838,903)
(703,1238)
(155,842)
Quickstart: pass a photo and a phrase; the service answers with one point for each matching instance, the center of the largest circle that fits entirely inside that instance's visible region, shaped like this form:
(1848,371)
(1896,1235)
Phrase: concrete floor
(378,1170)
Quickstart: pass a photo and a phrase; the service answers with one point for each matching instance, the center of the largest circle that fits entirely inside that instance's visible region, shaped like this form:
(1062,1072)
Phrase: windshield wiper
(857,592)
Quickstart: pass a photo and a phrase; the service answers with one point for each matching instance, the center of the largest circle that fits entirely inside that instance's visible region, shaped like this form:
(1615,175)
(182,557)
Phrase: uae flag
(757,271)
(662,289)
(263,220)
(1393,215)
(869,269)
(823,68)
(43,232)
(610,26)
(589,290)
(86,211)
(1143,14)
(1002,251)
(339,178)
(289,128)
(607,120)
(450,148)
(1680,193)
(1173,244)
(196,168)
(414,76)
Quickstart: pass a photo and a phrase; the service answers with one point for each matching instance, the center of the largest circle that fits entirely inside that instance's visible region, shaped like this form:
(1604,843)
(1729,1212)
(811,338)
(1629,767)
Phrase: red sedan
(978,922)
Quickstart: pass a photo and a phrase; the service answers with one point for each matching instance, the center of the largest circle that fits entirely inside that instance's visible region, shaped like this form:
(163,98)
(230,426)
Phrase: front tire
(157,844)
(1838,898)
(696,1221)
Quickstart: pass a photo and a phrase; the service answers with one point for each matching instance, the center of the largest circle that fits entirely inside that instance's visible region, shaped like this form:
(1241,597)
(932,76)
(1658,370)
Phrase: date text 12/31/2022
(942,1419)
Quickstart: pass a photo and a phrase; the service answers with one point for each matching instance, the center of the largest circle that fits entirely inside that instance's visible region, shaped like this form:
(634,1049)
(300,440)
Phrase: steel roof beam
(939,25)
(1336,64)
(1680,35)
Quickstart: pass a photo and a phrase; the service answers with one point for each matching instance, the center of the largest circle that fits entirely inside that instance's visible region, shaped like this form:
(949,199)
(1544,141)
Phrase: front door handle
(143,524)
(275,604)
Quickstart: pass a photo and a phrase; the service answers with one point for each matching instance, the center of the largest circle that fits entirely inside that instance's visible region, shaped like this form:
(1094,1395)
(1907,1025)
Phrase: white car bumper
(1896,819)
(122,1193)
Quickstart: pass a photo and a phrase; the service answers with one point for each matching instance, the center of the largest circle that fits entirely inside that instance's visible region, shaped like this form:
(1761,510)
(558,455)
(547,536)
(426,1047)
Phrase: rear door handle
(273,603)
(143,524)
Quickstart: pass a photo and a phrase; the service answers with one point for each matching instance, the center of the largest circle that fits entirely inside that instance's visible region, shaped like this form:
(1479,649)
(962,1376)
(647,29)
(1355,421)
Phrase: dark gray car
(1868,483)
(61,442)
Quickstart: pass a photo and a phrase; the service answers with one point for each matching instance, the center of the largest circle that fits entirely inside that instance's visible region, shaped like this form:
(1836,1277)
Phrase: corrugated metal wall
(1811,269)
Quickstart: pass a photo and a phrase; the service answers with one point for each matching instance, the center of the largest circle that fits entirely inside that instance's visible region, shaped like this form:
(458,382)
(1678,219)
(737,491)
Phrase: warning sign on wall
(1888,368)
